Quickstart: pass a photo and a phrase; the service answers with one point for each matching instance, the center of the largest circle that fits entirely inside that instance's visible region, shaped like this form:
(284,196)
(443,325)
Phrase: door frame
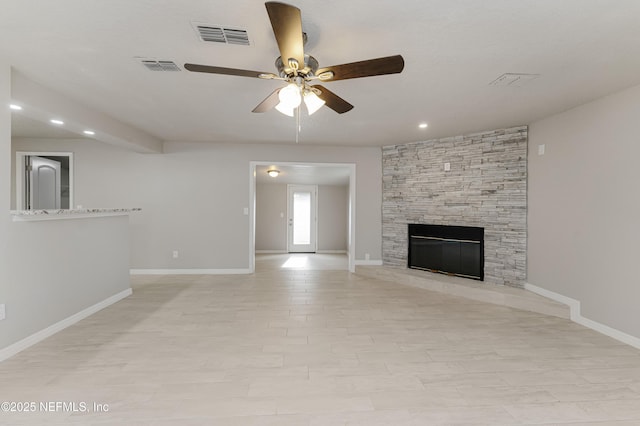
(314,225)
(351,231)
(19,168)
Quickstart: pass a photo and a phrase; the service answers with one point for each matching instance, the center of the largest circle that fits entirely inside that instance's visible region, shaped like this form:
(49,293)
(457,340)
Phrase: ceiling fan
(299,69)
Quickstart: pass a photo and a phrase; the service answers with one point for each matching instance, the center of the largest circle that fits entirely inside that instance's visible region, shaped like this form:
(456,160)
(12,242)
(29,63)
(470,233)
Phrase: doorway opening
(44,180)
(326,190)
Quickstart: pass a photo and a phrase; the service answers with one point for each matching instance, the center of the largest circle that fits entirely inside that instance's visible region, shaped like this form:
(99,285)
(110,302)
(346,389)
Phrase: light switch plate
(541,149)
(447,167)
(3,312)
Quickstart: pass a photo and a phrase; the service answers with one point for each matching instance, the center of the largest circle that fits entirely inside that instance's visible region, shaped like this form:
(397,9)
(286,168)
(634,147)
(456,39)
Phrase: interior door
(301,217)
(43,183)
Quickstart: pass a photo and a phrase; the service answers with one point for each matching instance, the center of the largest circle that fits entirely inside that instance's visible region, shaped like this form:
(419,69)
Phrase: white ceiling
(26,127)
(453,49)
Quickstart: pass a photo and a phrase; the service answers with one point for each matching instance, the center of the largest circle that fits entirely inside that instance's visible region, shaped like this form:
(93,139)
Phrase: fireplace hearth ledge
(496,294)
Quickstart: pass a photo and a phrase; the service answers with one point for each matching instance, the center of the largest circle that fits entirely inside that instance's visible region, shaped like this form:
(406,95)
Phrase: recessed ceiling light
(423,125)
(15,107)
(89,132)
(58,122)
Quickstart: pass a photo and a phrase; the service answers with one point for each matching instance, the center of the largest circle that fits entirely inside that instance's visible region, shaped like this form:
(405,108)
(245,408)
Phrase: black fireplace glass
(455,250)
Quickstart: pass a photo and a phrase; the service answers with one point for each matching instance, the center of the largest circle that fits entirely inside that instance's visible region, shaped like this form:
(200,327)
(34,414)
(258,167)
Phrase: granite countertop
(69,213)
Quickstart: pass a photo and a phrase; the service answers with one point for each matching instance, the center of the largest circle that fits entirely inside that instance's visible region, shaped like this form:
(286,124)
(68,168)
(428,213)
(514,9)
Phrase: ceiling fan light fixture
(313,102)
(273,173)
(290,96)
(285,110)
(327,75)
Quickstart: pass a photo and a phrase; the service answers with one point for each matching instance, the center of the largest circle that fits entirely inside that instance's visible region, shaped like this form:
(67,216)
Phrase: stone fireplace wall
(486,186)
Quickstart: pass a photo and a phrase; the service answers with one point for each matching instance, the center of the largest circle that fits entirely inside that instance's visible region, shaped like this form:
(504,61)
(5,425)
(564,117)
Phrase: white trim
(331,252)
(271,252)
(576,316)
(573,304)
(362,262)
(39,336)
(609,331)
(351,244)
(238,271)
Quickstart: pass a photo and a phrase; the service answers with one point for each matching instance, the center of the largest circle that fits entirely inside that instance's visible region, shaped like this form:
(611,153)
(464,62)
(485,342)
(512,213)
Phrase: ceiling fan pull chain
(297,124)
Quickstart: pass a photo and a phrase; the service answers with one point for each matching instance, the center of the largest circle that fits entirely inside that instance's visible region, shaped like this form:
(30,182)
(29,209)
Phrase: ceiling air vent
(216,34)
(154,65)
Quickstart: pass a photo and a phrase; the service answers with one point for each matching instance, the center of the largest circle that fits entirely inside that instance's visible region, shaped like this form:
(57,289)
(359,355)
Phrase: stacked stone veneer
(486,187)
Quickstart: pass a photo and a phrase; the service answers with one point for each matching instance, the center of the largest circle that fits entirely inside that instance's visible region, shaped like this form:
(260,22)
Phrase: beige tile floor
(320,347)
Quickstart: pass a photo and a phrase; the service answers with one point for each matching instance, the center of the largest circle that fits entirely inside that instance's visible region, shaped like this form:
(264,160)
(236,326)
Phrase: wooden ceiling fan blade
(226,71)
(286,21)
(269,102)
(368,68)
(332,100)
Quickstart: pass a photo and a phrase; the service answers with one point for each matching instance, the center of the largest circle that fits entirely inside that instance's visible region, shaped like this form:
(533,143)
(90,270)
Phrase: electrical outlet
(3,312)
(367,256)
(447,167)
(175,254)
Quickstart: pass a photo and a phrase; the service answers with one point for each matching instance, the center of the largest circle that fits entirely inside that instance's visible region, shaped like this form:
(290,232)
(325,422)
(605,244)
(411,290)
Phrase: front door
(301,212)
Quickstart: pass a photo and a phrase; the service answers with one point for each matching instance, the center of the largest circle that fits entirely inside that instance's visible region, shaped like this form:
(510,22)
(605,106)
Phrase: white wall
(271,229)
(333,215)
(5,181)
(194,194)
(58,268)
(52,270)
(584,208)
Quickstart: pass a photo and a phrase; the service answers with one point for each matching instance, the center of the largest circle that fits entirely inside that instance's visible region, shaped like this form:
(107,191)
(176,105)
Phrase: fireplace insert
(453,250)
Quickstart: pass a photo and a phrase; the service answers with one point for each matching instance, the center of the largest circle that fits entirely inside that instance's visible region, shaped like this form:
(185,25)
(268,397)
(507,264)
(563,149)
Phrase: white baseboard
(576,316)
(609,331)
(271,252)
(361,262)
(39,336)
(573,304)
(190,271)
(331,251)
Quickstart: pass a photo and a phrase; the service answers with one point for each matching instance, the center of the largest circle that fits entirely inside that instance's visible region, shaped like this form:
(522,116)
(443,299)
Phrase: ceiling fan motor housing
(309,69)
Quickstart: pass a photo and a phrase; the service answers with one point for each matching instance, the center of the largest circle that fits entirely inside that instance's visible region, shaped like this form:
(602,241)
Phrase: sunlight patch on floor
(296,262)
